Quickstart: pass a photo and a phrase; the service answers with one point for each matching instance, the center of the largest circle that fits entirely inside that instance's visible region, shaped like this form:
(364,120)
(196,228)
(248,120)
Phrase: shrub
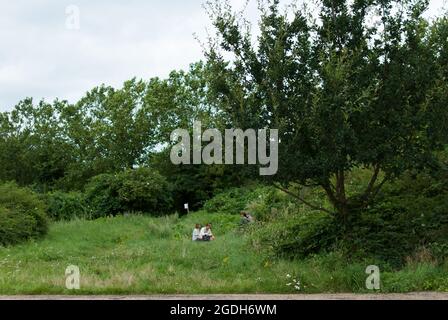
(22,215)
(269,201)
(144,190)
(314,232)
(234,200)
(297,235)
(102,196)
(385,232)
(140,190)
(412,213)
(66,206)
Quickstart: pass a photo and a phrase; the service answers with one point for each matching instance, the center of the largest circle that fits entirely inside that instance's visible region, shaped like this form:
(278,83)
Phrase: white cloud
(117,40)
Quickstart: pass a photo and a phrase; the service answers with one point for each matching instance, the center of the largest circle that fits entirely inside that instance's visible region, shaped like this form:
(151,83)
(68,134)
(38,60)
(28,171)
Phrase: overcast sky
(44,55)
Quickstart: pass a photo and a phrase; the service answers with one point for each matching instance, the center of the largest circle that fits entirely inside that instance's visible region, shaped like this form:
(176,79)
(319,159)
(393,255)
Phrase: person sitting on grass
(197,233)
(246,218)
(206,233)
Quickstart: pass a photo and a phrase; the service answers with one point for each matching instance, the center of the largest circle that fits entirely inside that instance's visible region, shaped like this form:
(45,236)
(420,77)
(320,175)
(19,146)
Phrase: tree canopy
(359,84)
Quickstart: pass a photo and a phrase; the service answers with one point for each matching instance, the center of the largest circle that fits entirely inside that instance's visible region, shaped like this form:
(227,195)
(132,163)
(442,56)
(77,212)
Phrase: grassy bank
(142,255)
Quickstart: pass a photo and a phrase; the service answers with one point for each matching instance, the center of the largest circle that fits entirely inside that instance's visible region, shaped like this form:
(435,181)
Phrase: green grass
(143,255)
(138,255)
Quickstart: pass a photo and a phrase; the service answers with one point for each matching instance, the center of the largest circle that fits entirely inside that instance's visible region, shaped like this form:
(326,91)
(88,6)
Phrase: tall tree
(351,87)
(33,148)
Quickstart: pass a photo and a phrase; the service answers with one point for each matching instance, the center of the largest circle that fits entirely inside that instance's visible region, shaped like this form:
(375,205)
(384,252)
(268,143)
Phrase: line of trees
(63,145)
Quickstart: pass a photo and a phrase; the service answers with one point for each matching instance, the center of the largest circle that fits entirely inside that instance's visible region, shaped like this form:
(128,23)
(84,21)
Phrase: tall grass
(144,255)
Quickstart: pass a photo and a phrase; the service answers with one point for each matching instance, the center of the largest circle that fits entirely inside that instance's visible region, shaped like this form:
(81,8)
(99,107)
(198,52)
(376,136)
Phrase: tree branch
(378,188)
(312,206)
(371,184)
(329,189)
(340,187)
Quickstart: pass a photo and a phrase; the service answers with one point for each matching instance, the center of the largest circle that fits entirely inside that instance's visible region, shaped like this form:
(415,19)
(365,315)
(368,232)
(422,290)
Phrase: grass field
(137,255)
(143,255)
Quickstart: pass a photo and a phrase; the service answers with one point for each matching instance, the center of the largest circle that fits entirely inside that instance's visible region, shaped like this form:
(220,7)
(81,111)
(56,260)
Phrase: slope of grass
(143,255)
(137,255)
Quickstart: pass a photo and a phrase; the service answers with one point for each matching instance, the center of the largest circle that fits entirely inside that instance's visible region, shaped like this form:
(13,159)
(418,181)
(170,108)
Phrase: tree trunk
(337,196)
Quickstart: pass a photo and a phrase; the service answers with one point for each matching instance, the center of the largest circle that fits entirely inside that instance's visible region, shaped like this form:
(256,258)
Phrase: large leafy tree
(112,129)
(356,84)
(32,148)
(181,99)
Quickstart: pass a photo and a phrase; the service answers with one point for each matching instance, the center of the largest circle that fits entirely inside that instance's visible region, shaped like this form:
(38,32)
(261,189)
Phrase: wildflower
(295,283)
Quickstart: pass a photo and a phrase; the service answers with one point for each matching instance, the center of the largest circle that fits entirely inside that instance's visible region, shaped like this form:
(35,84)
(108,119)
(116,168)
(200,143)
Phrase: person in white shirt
(197,233)
(206,233)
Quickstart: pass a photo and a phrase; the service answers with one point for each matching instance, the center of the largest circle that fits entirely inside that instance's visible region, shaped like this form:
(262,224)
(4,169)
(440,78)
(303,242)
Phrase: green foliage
(66,206)
(356,104)
(102,196)
(411,213)
(139,190)
(269,202)
(146,255)
(163,227)
(233,200)
(62,146)
(344,93)
(222,223)
(32,149)
(296,234)
(144,190)
(22,215)
(195,184)
(313,233)
(124,255)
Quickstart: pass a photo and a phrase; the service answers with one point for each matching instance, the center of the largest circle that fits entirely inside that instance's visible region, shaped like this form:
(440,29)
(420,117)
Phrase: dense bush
(195,184)
(297,234)
(102,196)
(269,202)
(409,217)
(66,206)
(140,190)
(412,213)
(234,200)
(22,215)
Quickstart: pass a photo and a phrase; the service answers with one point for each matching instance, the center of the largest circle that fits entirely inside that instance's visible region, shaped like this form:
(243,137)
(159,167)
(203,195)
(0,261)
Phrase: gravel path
(409,296)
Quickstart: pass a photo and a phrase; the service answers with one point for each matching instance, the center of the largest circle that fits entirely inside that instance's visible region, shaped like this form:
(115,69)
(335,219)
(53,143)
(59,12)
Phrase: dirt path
(409,296)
